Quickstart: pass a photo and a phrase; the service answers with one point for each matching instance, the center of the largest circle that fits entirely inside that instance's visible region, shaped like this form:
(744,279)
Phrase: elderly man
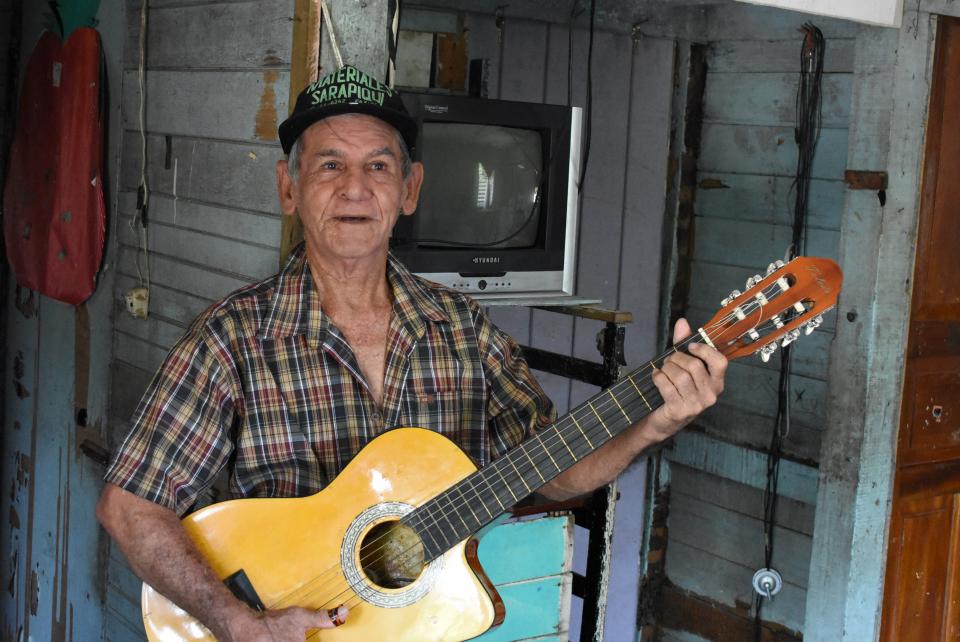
(283,382)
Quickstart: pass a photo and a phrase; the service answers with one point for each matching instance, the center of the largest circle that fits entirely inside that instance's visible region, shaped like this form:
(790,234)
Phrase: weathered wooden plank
(172,304)
(126,388)
(716,457)
(768,151)
(244,262)
(737,21)
(530,614)
(547,540)
(645,193)
(737,538)
(747,243)
(730,584)
(231,105)
(768,199)
(153,329)
(207,36)
(771,99)
(139,353)
(755,389)
(483,42)
(747,500)
(252,226)
(776,55)
(749,429)
(222,173)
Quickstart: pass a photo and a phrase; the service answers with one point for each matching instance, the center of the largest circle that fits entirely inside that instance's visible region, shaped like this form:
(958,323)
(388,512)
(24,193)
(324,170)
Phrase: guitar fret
(534,464)
(612,396)
(519,476)
(544,446)
(599,418)
(505,483)
(560,435)
(630,379)
(582,431)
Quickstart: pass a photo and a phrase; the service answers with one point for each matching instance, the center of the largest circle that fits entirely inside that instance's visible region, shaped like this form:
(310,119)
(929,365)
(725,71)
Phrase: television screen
(483,186)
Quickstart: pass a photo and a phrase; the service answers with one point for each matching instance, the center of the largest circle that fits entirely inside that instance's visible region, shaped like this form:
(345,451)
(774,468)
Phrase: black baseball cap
(347,91)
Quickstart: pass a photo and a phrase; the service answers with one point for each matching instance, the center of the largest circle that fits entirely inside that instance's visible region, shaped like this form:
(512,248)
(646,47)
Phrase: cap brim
(290,129)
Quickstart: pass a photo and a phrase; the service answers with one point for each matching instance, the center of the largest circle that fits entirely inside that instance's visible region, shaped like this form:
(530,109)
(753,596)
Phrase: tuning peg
(733,295)
(777,321)
(813,324)
(773,267)
(790,337)
(753,280)
(768,350)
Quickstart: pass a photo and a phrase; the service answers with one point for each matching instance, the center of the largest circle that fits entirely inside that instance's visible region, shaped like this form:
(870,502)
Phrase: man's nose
(355,184)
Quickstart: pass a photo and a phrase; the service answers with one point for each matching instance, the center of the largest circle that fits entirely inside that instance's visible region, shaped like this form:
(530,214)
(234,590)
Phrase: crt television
(497,216)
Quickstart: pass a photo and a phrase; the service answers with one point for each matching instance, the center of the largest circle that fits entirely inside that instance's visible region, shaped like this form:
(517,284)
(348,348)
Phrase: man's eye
(378,166)
(329,165)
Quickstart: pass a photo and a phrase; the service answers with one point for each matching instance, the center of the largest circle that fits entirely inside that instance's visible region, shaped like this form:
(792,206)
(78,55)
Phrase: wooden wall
(217,87)
(743,219)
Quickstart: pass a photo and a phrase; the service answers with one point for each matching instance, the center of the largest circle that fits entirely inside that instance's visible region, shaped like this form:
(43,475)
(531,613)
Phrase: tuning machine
(813,324)
(790,337)
(767,350)
(753,280)
(733,295)
(773,267)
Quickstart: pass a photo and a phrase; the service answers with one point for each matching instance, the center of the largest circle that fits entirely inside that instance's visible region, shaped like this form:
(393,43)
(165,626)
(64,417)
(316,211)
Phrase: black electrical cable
(807,133)
(588,111)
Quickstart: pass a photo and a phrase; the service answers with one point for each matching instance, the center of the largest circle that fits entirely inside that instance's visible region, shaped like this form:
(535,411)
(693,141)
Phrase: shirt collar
(295,307)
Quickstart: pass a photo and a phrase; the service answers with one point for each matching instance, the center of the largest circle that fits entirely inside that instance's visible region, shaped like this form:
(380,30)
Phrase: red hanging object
(54,210)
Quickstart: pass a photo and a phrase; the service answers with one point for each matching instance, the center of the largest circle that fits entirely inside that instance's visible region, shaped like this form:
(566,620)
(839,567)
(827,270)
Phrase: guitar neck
(476,500)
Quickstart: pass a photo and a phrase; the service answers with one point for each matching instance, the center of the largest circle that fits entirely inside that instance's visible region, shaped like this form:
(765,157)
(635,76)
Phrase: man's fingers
(681,330)
(334,617)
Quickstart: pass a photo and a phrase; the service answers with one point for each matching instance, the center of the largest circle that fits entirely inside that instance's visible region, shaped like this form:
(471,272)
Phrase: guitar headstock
(775,308)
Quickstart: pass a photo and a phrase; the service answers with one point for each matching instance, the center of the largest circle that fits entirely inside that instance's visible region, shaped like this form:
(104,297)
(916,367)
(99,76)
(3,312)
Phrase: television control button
(482,284)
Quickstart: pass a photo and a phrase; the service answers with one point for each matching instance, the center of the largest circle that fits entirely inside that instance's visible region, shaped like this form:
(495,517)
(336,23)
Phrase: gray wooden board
(644,194)
(224,35)
(771,98)
(703,574)
(483,41)
(217,172)
(776,55)
(747,243)
(232,223)
(768,199)
(793,515)
(755,389)
(748,429)
(154,330)
(230,105)
(736,537)
(738,21)
(763,150)
(602,215)
(243,262)
(126,388)
(138,352)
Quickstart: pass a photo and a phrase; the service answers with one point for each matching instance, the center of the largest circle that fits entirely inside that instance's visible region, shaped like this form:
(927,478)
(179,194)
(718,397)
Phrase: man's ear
(412,183)
(285,189)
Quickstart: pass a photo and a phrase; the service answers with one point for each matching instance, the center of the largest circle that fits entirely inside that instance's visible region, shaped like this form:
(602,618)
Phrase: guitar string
(298,593)
(603,409)
(478,493)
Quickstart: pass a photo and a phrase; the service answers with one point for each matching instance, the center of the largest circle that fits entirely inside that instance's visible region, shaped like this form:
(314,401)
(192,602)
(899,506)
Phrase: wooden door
(922,586)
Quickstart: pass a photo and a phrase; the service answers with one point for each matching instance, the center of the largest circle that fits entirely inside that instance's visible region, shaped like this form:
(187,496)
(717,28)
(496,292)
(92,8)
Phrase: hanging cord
(327,20)
(393,10)
(139,222)
(807,132)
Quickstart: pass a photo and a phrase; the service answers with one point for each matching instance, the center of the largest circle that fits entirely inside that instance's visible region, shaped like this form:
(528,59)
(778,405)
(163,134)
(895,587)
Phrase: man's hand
(284,625)
(688,383)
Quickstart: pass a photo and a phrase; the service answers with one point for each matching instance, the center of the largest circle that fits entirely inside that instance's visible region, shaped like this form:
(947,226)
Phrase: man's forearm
(159,551)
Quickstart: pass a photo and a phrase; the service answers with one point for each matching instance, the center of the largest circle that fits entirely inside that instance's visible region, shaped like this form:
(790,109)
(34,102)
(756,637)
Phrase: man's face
(351,188)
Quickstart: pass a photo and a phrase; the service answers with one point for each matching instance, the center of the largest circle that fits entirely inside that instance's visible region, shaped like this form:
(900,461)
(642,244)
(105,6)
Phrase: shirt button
(377,416)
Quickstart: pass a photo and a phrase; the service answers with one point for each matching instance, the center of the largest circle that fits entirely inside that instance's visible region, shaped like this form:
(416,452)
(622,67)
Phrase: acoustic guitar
(390,537)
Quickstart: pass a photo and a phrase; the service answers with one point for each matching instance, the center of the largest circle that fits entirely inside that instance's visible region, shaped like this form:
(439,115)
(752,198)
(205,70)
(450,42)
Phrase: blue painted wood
(532,611)
(770,98)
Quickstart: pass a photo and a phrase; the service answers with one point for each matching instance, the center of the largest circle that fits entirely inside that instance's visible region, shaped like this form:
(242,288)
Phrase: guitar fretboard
(476,500)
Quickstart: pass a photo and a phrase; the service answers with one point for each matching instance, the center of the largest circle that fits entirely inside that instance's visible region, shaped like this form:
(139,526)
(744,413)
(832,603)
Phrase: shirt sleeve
(181,432)
(517,406)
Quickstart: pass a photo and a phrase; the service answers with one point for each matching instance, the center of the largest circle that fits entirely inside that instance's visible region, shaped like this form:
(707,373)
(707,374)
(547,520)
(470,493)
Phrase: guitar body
(295,551)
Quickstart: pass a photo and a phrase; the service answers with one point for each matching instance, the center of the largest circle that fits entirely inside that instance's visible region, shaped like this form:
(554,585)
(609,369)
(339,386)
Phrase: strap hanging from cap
(333,39)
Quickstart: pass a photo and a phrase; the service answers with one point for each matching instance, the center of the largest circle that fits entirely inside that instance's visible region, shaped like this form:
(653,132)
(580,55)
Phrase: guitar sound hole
(391,555)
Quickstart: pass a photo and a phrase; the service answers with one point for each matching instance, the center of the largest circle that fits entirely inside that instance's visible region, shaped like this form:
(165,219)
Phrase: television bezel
(546,270)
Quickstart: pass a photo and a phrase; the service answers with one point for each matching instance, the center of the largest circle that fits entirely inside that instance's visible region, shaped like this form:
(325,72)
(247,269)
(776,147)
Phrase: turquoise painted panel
(749,244)
(533,610)
(516,551)
(771,98)
(751,149)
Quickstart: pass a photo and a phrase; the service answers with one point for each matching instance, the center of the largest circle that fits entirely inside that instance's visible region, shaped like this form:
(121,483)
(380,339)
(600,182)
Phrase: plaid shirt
(263,381)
